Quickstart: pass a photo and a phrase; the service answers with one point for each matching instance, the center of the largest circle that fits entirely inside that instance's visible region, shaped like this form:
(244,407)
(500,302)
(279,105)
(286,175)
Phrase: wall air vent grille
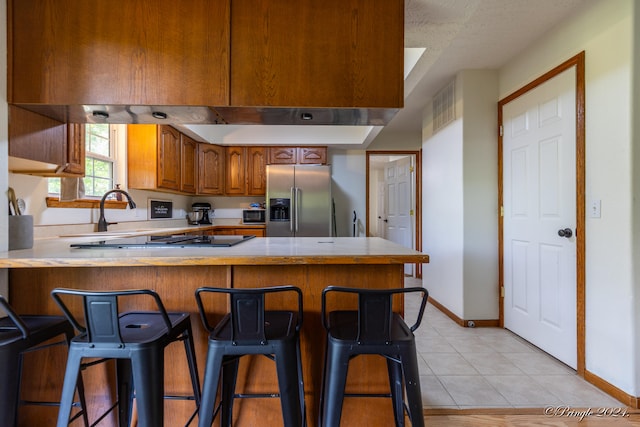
(444,107)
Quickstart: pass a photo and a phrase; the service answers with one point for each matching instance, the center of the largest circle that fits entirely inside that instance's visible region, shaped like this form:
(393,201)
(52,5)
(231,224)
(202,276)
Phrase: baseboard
(465,323)
(613,391)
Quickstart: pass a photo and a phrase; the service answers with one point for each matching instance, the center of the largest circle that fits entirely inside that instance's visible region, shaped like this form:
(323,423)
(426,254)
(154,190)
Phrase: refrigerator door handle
(292,208)
(297,207)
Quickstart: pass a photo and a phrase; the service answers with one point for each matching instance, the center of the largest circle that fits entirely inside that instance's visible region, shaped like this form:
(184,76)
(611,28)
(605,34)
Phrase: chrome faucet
(102,222)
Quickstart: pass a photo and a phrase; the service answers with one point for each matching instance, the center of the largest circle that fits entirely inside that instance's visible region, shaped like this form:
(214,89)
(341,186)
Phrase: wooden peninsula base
(309,263)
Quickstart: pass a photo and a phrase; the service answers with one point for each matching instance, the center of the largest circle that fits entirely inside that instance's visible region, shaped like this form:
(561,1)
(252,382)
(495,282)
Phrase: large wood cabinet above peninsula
(67,58)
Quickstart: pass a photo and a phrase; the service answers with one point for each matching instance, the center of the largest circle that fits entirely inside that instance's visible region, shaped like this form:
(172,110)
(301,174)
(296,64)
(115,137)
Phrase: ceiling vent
(444,111)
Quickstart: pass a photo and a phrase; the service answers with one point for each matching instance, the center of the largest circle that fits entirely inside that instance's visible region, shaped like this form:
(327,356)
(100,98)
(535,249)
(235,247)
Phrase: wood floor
(531,418)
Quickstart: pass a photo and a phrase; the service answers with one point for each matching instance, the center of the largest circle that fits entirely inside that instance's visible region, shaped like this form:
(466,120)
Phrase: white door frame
(417,190)
(577,62)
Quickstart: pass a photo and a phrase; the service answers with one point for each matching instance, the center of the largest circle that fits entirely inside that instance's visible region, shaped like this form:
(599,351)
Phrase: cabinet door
(235,163)
(256,171)
(312,155)
(75,149)
(189,169)
(282,155)
(169,159)
(145,52)
(39,145)
(210,169)
(348,53)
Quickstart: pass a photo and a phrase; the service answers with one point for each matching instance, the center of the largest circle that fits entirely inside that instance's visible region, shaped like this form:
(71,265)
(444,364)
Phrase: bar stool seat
(19,335)
(136,339)
(372,328)
(249,329)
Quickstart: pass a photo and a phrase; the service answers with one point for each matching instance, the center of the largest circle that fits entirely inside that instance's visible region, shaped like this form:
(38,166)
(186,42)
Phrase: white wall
(605,32)
(460,201)
(442,217)
(349,189)
(480,180)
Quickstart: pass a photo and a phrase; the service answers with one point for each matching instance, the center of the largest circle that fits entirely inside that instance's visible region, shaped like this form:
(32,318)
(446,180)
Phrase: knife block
(20,232)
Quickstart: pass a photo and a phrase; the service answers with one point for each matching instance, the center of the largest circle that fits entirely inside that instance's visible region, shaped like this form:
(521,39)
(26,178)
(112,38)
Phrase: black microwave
(253,216)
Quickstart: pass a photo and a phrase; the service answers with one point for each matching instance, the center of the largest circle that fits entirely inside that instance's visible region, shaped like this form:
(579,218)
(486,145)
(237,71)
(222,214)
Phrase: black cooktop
(147,242)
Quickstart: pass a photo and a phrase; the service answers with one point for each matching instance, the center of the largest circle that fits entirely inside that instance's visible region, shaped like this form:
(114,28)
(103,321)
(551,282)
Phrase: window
(99,161)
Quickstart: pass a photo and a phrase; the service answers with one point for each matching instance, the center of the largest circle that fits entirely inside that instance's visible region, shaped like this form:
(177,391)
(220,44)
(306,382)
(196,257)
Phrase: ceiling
(442,37)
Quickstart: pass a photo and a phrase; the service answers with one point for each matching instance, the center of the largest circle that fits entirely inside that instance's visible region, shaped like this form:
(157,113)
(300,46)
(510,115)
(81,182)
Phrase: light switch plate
(594,209)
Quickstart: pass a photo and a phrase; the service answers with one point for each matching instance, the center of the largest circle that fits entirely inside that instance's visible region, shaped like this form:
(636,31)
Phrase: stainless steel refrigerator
(298,201)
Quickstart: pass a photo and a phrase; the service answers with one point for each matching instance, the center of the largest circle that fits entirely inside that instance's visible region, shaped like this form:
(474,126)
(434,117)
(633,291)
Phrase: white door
(399,204)
(539,197)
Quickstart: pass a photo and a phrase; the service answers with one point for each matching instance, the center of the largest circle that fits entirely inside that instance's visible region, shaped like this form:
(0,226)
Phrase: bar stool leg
(124,378)
(289,385)
(72,371)
(10,365)
(412,386)
(148,381)
(397,389)
(193,366)
(337,365)
(210,389)
(229,374)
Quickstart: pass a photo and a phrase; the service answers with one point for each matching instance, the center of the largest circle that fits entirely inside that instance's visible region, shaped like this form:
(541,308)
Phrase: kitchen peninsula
(310,263)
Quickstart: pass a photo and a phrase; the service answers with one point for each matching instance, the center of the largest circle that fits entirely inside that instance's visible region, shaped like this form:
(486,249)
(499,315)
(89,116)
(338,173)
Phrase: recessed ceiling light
(306,116)
(101,114)
(159,115)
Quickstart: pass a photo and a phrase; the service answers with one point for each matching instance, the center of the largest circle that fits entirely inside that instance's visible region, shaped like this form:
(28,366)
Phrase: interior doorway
(394,200)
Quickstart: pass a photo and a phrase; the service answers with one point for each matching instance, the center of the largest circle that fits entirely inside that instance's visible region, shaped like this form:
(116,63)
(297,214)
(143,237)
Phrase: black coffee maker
(205,208)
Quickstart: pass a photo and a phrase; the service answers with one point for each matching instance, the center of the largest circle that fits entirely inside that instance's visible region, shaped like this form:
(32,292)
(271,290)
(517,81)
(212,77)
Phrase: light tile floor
(462,368)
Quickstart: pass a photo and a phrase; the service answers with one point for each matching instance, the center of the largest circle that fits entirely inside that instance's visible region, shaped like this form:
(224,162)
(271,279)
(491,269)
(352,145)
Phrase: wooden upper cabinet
(154,159)
(312,155)
(283,155)
(235,176)
(297,155)
(332,53)
(189,166)
(256,171)
(210,169)
(39,145)
(144,52)
(169,158)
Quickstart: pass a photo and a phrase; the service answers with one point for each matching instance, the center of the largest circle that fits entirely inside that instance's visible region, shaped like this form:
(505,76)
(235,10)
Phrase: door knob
(566,232)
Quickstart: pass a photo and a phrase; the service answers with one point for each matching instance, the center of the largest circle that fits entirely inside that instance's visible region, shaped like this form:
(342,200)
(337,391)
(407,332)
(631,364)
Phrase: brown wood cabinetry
(256,171)
(235,184)
(297,155)
(245,171)
(189,169)
(341,59)
(42,146)
(147,52)
(158,157)
(210,169)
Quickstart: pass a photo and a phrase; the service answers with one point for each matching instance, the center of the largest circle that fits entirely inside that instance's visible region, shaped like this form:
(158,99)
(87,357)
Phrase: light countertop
(56,252)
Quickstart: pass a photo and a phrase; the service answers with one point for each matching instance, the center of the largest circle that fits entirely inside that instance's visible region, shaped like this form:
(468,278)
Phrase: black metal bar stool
(250,329)
(19,335)
(136,339)
(372,328)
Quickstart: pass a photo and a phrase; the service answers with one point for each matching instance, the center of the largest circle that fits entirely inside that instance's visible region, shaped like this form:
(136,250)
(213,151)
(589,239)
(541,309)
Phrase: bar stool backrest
(15,318)
(375,311)
(101,312)
(247,312)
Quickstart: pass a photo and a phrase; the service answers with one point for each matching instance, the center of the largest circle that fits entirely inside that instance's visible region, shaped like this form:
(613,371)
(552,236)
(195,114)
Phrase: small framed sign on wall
(160,209)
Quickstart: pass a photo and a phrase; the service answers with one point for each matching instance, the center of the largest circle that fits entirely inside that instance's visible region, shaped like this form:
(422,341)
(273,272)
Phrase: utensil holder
(20,232)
